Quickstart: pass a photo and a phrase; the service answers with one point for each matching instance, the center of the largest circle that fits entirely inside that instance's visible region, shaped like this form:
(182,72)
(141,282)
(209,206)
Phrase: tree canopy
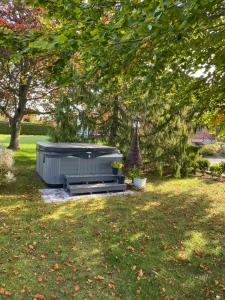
(161,61)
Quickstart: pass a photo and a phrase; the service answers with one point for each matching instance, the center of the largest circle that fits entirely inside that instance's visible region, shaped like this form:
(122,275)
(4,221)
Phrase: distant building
(203,137)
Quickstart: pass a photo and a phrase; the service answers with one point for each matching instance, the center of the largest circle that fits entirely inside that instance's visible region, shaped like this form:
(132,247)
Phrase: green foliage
(27,128)
(134,172)
(159,169)
(139,60)
(222,166)
(222,150)
(66,129)
(210,150)
(202,165)
(216,170)
(189,160)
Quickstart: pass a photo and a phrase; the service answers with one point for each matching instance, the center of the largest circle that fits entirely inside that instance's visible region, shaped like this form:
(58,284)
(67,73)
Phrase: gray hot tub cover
(82,150)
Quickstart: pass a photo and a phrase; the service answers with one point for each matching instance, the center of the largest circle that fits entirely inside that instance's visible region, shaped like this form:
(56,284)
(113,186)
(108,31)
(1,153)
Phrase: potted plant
(116,166)
(136,175)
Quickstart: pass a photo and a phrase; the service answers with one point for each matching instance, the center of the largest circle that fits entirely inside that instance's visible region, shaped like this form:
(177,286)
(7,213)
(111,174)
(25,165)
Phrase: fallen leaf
(111,285)
(56,267)
(130,248)
(140,273)
(39,296)
(138,291)
(77,288)
(4,292)
(133,268)
(99,277)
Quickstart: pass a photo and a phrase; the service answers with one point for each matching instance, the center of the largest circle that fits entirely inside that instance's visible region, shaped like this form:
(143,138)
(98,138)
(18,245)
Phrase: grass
(109,248)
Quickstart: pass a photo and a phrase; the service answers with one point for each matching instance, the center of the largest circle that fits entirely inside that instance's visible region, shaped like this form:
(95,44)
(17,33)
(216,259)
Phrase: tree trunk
(15,134)
(115,122)
(17,118)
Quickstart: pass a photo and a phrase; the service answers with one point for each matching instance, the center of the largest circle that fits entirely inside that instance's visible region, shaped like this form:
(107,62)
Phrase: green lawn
(105,248)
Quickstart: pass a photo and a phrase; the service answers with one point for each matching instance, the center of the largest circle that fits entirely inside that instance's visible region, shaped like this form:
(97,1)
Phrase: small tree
(134,155)
(67,128)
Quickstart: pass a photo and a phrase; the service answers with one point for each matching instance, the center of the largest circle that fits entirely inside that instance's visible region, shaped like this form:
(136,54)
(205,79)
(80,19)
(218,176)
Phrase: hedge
(27,128)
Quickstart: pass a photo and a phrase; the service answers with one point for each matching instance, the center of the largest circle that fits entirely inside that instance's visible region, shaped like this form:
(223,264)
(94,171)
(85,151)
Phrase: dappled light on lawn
(164,243)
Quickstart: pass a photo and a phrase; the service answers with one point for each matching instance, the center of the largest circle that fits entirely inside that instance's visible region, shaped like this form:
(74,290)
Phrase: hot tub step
(95,188)
(73,179)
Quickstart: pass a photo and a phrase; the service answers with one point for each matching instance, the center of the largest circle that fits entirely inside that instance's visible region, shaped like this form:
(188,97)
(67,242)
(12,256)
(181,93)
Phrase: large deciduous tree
(156,47)
(23,74)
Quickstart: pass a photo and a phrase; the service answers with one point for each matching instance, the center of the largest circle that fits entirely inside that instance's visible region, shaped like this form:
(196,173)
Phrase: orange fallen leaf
(111,285)
(4,292)
(99,277)
(39,296)
(130,248)
(77,288)
(56,266)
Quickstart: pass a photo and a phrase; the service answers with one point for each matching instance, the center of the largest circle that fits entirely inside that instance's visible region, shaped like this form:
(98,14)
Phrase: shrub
(210,150)
(222,150)
(135,172)
(215,170)
(203,165)
(222,166)
(159,169)
(188,162)
(6,165)
(27,128)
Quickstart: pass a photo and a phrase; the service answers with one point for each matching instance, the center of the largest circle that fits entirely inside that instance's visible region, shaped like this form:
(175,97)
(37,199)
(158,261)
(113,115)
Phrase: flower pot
(140,183)
(115,171)
(121,179)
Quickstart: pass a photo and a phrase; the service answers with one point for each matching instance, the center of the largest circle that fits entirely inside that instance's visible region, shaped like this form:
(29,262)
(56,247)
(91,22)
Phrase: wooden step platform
(85,179)
(77,189)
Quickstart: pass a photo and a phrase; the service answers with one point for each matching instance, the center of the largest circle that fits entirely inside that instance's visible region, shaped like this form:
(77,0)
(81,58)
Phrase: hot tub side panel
(54,168)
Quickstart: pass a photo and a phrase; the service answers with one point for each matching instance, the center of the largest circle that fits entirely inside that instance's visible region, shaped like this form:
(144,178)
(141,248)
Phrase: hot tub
(55,160)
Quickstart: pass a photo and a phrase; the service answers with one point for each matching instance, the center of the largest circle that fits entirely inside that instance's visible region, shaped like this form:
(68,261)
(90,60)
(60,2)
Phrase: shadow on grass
(119,238)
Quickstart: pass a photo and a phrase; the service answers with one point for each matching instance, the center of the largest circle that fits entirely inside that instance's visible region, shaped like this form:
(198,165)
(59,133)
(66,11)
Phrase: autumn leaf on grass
(133,268)
(111,285)
(56,267)
(142,248)
(130,248)
(39,296)
(77,287)
(40,279)
(140,274)
(4,292)
(138,291)
(99,277)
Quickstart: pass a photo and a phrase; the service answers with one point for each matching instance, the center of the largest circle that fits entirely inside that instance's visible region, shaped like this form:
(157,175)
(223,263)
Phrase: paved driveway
(215,160)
